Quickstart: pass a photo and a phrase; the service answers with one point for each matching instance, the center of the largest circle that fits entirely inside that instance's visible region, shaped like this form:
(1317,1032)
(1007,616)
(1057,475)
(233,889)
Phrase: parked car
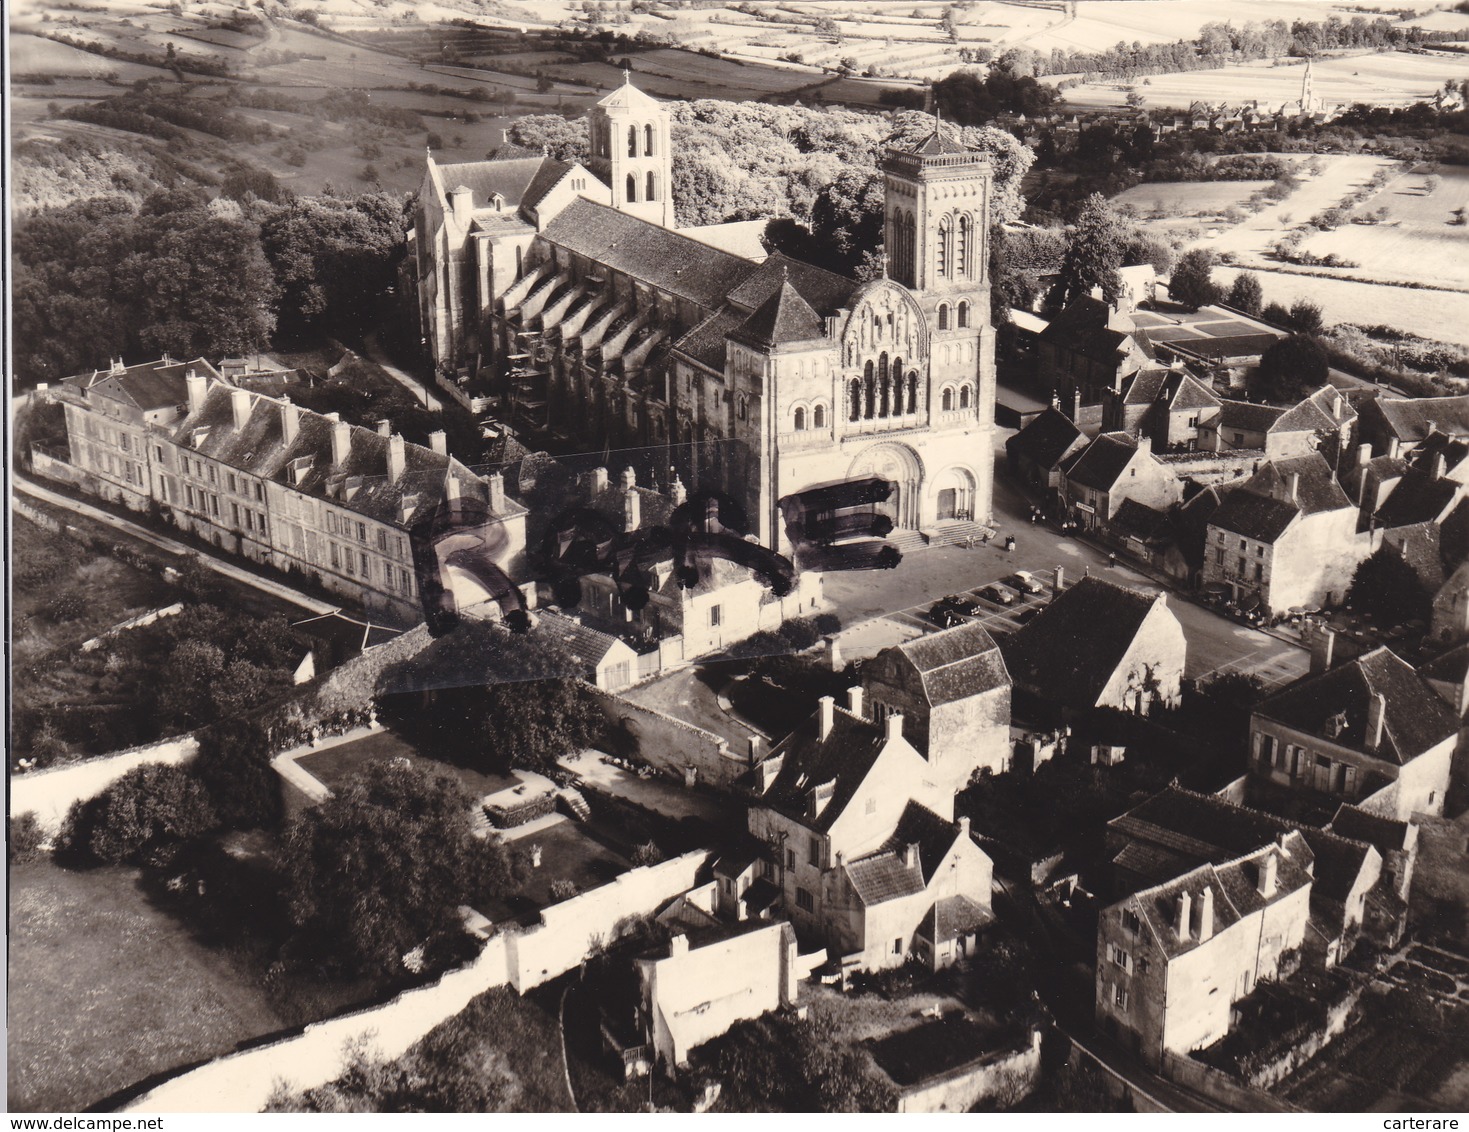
(953,610)
(998,593)
(1025,582)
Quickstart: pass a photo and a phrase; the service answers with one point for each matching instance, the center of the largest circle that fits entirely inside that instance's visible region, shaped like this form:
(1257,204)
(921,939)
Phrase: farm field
(1392,79)
(1172,204)
(106,989)
(1416,241)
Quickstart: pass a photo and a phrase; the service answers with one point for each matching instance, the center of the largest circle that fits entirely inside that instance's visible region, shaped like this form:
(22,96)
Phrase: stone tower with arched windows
(629,134)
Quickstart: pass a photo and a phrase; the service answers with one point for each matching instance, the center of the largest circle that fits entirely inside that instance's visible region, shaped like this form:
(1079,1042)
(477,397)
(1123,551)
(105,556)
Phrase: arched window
(943,316)
(744,409)
(948,399)
(882,366)
(652,193)
(869,392)
(800,420)
(632,141)
(963,313)
(910,240)
(856,413)
(876,327)
(818,417)
(961,252)
(648,140)
(941,251)
(913,391)
(897,386)
(632,187)
(964,395)
(519,262)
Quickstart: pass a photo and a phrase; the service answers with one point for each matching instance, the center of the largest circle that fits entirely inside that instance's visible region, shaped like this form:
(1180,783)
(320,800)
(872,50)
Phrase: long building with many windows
(280,485)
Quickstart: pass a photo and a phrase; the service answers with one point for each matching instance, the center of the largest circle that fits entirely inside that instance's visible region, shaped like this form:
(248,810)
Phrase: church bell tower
(937,202)
(630,150)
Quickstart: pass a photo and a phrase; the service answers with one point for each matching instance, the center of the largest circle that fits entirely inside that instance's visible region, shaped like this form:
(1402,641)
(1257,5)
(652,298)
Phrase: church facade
(766,379)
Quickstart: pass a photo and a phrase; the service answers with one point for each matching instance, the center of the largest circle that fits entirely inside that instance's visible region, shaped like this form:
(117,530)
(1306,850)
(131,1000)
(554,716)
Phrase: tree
(1388,589)
(144,813)
(1305,317)
(233,763)
(556,136)
(1276,314)
(1093,253)
(381,867)
(1192,282)
(1245,293)
(25,837)
(1290,368)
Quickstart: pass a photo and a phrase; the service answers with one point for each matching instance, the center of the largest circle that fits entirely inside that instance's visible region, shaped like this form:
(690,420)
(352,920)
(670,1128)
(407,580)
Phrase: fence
(569,933)
(50,793)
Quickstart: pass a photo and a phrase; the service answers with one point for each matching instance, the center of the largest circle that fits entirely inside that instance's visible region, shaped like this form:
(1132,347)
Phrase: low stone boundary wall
(50,793)
(1219,1086)
(1007,1075)
(569,933)
(668,744)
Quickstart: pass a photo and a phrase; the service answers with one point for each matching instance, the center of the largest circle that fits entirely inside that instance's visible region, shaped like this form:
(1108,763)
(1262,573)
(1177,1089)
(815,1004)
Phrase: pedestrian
(1112,558)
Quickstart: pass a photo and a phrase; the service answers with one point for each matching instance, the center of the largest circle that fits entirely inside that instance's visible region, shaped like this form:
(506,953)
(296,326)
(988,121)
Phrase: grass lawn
(334,766)
(105,990)
(583,854)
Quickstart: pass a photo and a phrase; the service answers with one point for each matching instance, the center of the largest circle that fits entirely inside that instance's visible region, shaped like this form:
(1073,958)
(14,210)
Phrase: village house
(953,692)
(1037,451)
(861,843)
(263,478)
(1165,405)
(1285,538)
(1323,421)
(1371,731)
(1174,958)
(1112,468)
(1088,352)
(1100,645)
(764,379)
(1395,426)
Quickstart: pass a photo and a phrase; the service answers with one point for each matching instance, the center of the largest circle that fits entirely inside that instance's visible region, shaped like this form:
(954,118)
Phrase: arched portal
(900,466)
(953,490)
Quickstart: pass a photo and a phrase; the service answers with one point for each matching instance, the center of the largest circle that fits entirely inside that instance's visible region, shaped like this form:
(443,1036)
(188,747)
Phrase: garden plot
(1171,203)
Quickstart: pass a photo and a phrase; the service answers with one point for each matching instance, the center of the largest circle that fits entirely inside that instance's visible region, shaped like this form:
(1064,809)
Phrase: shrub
(25,838)
(145,813)
(564,889)
(68,605)
(647,853)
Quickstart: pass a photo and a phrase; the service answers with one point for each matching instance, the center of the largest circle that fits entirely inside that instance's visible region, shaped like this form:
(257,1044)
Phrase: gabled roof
(882,877)
(1454,450)
(1451,667)
(952,917)
(1253,516)
(782,318)
(1138,520)
(825,291)
(1388,835)
(1102,462)
(934,837)
(1082,329)
(1415,720)
(147,385)
(1419,498)
(1178,389)
(705,342)
(1411,419)
(1071,650)
(1262,507)
(1047,439)
(1324,410)
(810,765)
(956,663)
(520,181)
(1245,416)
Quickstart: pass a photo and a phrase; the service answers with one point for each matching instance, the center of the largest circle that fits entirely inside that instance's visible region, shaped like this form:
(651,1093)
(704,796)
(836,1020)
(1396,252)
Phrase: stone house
(953,692)
(1100,645)
(1165,405)
(1088,351)
(1286,537)
(1324,421)
(1112,468)
(1395,426)
(1371,731)
(860,842)
(1036,453)
(1174,958)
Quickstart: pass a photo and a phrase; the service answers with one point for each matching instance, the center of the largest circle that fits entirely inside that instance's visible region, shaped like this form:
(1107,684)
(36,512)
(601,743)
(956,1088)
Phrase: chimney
(341,442)
(678,945)
(755,744)
(1376,712)
(1075,405)
(834,654)
(396,460)
(828,713)
(385,427)
(1268,865)
(1184,904)
(439,442)
(598,481)
(461,202)
(240,407)
(117,368)
(910,855)
(632,507)
(1323,650)
(504,137)
(854,700)
(196,383)
(1364,454)
(1439,467)
(1394,446)
(1429,428)
(629,478)
(894,726)
(1145,444)
(496,483)
(290,420)
(1206,914)
(964,826)
(451,490)
(1295,488)
(678,493)
(1055,400)
(1060,583)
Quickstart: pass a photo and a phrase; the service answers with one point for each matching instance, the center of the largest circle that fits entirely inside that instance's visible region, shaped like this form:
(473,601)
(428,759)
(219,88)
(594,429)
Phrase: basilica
(567,289)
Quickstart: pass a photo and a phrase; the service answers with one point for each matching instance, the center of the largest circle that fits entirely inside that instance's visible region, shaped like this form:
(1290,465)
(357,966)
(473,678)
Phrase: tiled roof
(1101,463)
(922,827)
(1420,547)
(649,252)
(825,291)
(1046,439)
(1451,667)
(1416,719)
(1323,410)
(705,342)
(1387,834)
(811,764)
(1455,450)
(956,663)
(1082,329)
(784,317)
(1140,521)
(1245,416)
(882,877)
(1254,516)
(1411,419)
(1418,498)
(938,142)
(520,180)
(1072,648)
(1145,386)
(148,385)
(629,97)
(952,917)
(582,642)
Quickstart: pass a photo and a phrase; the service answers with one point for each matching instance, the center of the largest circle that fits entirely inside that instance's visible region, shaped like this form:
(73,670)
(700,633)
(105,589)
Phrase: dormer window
(351,487)
(499,202)
(300,469)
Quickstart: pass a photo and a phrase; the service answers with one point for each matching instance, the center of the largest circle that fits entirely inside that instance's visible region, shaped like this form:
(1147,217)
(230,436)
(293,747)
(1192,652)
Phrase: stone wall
(1004,1075)
(50,793)
(1218,1086)
(667,744)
